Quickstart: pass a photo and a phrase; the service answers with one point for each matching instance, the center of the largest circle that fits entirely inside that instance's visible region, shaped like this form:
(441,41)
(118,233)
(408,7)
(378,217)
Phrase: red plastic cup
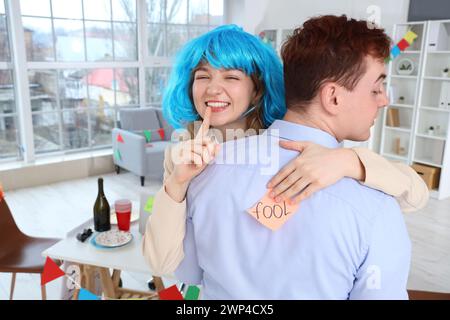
(123,214)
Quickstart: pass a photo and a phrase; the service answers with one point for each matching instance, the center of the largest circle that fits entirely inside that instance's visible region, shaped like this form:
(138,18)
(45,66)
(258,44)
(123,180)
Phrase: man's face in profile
(361,105)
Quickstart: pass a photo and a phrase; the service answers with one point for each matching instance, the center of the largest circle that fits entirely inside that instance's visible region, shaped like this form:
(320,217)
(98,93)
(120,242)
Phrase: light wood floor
(51,211)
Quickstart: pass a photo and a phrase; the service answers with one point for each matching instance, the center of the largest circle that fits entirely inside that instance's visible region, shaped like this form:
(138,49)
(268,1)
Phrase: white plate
(113,238)
(134,213)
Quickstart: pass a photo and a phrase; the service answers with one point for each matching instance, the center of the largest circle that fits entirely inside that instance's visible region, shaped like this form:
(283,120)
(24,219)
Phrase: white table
(92,259)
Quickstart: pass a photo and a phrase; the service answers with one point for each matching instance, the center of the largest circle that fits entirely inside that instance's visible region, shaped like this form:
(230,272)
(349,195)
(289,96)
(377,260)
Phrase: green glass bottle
(101,210)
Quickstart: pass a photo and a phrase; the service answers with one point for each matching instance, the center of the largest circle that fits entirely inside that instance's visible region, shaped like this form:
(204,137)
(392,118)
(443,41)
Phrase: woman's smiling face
(228,92)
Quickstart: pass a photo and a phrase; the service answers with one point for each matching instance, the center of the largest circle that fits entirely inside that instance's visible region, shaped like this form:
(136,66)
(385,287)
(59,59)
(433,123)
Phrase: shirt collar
(296,132)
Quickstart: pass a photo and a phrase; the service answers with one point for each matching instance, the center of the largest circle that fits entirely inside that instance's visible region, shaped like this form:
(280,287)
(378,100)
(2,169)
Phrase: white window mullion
(187,21)
(165,29)
(112,31)
(84,31)
(58,102)
(22,91)
(60,112)
(89,126)
(53,31)
(141,10)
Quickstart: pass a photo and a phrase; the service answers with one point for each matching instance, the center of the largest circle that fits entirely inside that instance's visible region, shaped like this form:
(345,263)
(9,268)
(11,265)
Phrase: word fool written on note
(271,214)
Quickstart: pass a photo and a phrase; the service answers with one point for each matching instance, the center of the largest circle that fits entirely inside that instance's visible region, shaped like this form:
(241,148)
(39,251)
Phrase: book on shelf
(393,117)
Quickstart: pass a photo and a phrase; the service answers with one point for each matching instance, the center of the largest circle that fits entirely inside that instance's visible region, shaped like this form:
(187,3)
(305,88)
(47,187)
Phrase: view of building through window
(9,134)
(83,65)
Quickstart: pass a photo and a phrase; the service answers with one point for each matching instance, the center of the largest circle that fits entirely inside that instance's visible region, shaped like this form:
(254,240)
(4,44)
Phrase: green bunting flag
(149,205)
(192,293)
(118,155)
(148,135)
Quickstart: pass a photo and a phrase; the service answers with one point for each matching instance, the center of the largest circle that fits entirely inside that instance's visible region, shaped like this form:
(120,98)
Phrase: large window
(76,30)
(76,108)
(84,60)
(170,24)
(9,135)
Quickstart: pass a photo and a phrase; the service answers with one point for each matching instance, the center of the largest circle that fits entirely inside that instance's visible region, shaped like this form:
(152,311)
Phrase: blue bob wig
(227,47)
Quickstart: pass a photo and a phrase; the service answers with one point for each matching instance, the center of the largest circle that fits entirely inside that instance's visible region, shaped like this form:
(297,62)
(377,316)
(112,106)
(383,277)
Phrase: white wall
(257,15)
(56,170)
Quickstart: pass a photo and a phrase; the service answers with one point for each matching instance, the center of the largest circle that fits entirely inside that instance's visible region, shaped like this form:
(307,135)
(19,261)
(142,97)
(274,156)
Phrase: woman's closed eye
(232,78)
(201,77)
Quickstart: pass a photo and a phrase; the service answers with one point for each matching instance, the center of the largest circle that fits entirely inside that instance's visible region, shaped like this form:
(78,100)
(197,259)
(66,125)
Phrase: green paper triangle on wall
(117,154)
(149,204)
(148,135)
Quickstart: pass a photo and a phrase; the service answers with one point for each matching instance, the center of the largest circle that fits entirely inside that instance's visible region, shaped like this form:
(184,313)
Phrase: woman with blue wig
(231,80)
(227,47)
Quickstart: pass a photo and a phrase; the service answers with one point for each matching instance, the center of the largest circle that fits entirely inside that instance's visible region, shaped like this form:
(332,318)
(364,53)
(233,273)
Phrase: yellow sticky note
(149,204)
(410,37)
(271,214)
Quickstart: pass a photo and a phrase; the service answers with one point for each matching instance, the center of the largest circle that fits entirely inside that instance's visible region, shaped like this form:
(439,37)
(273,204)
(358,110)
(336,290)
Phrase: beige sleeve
(162,245)
(394,178)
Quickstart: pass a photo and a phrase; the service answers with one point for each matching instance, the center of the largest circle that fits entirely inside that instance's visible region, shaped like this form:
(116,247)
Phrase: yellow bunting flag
(410,37)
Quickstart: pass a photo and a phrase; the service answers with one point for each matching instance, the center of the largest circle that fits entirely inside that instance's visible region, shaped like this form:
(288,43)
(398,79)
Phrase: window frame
(21,67)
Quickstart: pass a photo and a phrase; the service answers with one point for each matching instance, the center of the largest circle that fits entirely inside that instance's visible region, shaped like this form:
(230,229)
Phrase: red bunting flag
(119,138)
(51,272)
(171,293)
(1,193)
(403,44)
(161,133)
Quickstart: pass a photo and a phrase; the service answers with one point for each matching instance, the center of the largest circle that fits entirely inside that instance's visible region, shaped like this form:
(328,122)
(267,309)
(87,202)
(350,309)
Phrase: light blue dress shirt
(346,241)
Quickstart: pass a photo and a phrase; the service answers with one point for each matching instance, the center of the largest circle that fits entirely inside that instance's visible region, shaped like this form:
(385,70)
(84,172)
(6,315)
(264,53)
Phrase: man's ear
(330,97)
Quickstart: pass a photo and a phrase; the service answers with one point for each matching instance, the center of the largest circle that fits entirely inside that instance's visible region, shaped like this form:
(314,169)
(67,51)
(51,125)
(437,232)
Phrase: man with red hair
(347,241)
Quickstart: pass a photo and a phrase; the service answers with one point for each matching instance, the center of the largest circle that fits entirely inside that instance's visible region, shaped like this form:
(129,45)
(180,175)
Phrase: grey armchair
(131,150)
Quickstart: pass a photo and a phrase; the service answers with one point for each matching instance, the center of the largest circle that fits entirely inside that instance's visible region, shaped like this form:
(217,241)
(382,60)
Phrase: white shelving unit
(424,112)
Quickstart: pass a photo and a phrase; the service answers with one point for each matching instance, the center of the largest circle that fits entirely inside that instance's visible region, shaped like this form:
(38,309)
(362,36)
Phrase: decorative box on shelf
(429,174)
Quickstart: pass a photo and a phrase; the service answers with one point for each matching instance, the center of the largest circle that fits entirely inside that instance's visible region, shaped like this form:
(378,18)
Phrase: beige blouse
(163,241)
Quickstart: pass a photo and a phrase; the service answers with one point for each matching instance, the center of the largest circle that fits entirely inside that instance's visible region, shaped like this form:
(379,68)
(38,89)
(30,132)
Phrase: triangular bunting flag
(119,138)
(149,205)
(410,37)
(87,295)
(171,293)
(148,135)
(161,133)
(51,272)
(117,154)
(403,44)
(192,293)
(395,51)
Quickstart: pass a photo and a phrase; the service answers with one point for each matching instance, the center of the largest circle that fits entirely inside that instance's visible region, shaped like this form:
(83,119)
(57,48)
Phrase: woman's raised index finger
(204,128)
